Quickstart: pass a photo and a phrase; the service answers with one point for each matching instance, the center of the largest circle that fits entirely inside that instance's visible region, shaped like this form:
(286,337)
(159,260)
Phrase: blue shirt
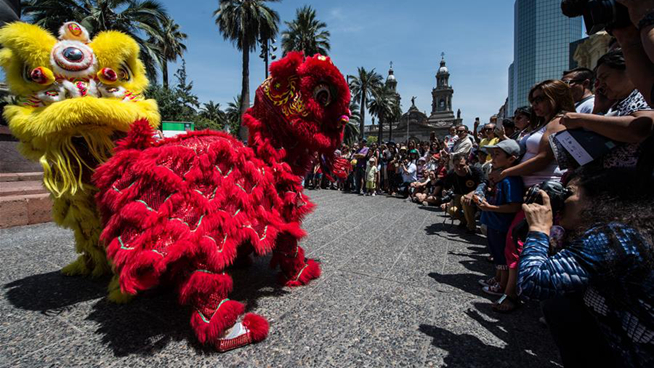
(614,266)
(509,190)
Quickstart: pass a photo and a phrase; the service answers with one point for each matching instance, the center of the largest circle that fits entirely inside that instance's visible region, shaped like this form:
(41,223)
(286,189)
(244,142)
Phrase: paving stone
(398,288)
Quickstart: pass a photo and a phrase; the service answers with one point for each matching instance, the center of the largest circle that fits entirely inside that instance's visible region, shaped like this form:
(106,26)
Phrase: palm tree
(243,22)
(140,19)
(352,127)
(381,105)
(169,45)
(306,33)
(233,114)
(361,87)
(212,111)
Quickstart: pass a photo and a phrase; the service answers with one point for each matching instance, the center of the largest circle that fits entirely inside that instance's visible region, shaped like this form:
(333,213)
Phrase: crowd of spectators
(585,249)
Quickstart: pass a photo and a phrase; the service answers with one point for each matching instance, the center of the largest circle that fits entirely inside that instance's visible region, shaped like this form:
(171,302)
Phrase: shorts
(513,250)
(496,244)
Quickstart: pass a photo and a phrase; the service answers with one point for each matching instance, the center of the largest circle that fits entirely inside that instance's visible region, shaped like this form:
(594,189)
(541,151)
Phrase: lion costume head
(74,95)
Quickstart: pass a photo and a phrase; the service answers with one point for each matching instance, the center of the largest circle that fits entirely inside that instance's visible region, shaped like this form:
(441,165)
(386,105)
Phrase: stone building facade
(415,124)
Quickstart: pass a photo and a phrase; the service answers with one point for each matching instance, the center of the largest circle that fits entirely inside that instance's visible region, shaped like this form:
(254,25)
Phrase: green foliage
(351,133)
(169,45)
(244,22)
(233,115)
(180,104)
(384,105)
(306,33)
(140,19)
(361,86)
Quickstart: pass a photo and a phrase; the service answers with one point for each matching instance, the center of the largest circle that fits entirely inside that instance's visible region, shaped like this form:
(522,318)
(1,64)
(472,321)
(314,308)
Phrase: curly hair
(617,195)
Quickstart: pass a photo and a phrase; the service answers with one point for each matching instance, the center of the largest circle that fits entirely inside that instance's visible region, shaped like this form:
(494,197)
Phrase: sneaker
(373,194)
(495,289)
(488,282)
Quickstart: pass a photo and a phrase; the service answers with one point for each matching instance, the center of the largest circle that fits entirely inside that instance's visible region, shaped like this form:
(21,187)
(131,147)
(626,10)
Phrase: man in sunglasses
(463,144)
(581,81)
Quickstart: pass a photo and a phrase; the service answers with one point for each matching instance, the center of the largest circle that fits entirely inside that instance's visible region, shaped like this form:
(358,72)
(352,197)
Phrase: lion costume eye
(322,95)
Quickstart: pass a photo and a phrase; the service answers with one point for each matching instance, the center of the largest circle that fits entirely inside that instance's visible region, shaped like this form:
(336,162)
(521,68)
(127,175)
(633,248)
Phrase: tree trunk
(245,91)
(164,73)
(363,113)
(380,129)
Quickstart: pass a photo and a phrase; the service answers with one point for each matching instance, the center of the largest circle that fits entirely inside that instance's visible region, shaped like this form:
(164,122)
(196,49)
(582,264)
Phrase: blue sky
(476,36)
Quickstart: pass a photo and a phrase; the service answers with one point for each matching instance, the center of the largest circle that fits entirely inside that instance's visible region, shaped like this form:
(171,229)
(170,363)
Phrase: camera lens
(573,8)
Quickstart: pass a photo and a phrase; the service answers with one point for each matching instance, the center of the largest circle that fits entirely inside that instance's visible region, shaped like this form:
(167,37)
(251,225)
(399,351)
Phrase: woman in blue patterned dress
(609,219)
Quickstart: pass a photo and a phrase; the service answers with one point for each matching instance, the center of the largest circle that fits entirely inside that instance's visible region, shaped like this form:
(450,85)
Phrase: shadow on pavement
(51,293)
(527,341)
(453,233)
(465,350)
(144,326)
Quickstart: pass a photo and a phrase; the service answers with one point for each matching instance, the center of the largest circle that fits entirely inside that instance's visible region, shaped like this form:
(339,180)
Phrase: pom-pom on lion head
(74,94)
(303,104)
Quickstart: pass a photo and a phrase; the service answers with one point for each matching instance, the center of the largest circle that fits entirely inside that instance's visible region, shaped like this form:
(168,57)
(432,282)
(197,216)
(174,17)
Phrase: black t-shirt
(464,184)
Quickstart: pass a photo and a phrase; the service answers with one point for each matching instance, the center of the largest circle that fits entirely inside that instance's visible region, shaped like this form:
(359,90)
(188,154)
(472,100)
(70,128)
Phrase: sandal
(488,282)
(502,301)
(495,289)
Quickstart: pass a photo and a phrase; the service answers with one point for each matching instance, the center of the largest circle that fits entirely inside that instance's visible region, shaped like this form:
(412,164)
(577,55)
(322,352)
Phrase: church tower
(390,80)
(442,114)
(442,94)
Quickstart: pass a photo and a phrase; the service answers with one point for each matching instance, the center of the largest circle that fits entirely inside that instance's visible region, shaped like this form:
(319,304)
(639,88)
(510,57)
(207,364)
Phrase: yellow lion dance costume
(76,97)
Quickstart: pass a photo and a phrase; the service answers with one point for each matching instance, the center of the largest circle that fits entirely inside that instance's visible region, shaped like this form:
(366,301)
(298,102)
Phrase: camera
(554,189)
(598,14)
(557,193)
(448,196)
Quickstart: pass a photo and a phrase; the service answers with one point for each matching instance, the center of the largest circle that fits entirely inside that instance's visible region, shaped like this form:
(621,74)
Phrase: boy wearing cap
(498,210)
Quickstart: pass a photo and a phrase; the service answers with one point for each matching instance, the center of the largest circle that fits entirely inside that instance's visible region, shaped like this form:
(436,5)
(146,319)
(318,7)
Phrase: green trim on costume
(204,319)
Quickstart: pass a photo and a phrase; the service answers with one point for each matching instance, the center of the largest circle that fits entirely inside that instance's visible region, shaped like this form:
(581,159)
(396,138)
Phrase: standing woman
(549,100)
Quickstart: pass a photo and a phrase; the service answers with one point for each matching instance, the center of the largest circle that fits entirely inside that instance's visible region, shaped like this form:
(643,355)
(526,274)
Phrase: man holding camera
(463,179)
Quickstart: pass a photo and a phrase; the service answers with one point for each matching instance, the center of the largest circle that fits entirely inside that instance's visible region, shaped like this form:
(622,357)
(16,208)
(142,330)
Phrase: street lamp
(267,51)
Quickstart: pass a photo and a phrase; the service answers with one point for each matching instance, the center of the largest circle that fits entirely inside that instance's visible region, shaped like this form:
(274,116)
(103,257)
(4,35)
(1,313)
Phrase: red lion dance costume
(181,210)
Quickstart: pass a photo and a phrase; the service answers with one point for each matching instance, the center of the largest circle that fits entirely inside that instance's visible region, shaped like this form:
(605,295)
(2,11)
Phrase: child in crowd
(498,210)
(317,172)
(372,173)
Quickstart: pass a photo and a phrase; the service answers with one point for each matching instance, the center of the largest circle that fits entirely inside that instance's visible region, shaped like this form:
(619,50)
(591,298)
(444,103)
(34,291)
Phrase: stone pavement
(399,288)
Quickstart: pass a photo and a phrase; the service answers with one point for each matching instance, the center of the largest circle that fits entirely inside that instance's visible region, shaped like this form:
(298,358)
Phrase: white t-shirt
(411,174)
(551,172)
(586,105)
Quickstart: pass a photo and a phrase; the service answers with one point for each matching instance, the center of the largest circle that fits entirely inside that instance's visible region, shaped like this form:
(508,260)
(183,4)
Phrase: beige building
(590,49)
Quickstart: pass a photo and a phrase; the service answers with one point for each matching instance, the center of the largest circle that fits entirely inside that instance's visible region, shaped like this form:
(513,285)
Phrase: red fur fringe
(257,325)
(198,197)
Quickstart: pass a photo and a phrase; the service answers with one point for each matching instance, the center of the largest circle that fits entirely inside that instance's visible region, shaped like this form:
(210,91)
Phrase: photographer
(609,222)
(409,172)
(463,180)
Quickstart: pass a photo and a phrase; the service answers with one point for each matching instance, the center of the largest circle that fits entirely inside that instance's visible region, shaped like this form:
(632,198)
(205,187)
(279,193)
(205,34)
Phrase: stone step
(19,210)
(14,188)
(26,176)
